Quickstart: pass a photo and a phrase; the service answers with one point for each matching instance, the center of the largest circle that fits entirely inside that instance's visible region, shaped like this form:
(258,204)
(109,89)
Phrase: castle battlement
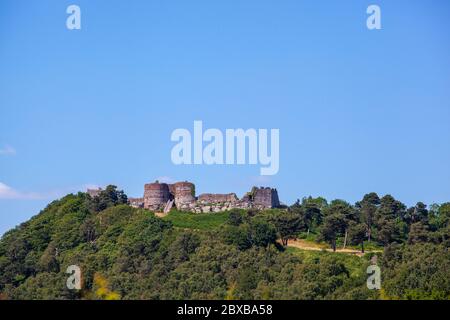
(159,197)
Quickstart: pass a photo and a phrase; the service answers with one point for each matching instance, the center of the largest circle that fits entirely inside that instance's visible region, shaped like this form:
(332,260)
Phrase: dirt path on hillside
(305,245)
(161,214)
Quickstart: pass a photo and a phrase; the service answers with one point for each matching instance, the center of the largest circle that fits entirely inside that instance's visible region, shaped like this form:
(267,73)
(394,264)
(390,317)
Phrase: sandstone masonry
(94,192)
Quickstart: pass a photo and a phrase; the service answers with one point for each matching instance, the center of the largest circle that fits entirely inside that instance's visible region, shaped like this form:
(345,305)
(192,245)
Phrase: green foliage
(416,272)
(201,221)
(108,198)
(357,234)
(256,232)
(310,211)
(235,217)
(440,216)
(238,236)
(418,233)
(333,226)
(129,253)
(287,224)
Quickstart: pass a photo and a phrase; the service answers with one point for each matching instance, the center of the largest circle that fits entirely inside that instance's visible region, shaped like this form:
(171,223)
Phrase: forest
(129,253)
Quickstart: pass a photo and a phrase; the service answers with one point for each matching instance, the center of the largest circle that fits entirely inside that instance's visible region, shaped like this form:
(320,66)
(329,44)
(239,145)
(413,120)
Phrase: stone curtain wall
(214,198)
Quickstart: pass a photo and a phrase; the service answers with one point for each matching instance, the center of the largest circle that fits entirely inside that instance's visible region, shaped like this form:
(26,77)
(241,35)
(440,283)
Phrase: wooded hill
(128,253)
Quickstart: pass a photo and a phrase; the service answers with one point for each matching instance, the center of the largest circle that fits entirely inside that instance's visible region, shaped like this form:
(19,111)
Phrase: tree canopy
(128,253)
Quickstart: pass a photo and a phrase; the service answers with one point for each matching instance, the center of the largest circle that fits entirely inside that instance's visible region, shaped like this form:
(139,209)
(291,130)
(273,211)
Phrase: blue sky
(358,110)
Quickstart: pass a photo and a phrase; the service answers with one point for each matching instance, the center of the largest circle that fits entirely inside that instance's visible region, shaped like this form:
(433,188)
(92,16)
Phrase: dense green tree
(258,232)
(357,233)
(139,256)
(388,221)
(368,207)
(183,246)
(388,231)
(416,272)
(247,282)
(262,233)
(108,198)
(418,213)
(333,226)
(88,230)
(442,236)
(48,261)
(235,217)
(418,233)
(238,236)
(439,217)
(287,224)
(309,211)
(343,212)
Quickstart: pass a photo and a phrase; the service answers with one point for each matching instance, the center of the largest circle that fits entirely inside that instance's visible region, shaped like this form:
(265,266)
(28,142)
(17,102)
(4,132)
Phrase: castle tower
(266,198)
(184,193)
(156,195)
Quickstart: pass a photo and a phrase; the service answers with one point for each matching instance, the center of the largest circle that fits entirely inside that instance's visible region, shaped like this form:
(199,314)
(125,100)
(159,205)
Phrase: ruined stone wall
(136,202)
(172,189)
(156,195)
(258,198)
(94,192)
(265,198)
(217,198)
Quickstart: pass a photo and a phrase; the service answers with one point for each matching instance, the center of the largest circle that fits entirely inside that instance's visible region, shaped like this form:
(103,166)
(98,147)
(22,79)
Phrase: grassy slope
(123,229)
(312,240)
(211,221)
(201,221)
(208,221)
(353,263)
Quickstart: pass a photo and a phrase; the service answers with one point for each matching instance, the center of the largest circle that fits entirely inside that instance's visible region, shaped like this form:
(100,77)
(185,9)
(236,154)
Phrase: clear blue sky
(358,110)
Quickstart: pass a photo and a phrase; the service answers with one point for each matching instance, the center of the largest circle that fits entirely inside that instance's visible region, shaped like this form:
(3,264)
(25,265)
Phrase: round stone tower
(156,195)
(184,193)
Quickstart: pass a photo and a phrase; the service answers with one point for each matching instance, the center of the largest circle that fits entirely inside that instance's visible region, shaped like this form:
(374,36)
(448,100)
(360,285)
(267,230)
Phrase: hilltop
(129,253)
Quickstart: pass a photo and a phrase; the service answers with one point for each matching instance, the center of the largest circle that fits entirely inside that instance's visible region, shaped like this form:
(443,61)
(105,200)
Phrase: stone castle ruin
(161,197)
(94,192)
